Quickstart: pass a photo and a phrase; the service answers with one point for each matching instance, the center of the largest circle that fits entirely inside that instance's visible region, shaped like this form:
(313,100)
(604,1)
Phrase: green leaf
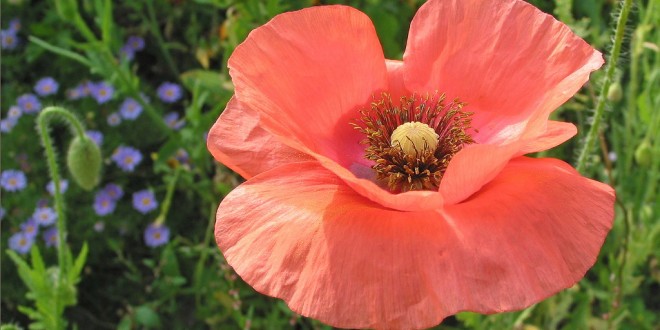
(74,274)
(147,317)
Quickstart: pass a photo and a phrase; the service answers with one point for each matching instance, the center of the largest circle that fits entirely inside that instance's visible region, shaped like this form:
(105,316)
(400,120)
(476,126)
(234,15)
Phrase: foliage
(129,281)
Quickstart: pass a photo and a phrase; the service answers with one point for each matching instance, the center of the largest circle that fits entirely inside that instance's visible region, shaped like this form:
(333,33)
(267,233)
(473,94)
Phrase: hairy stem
(74,124)
(592,135)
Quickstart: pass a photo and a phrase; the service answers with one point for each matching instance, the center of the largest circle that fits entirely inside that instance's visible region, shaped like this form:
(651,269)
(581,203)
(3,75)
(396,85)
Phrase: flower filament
(412,143)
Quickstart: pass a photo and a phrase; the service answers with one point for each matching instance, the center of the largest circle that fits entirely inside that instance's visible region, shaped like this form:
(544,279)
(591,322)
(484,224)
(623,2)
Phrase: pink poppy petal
(508,60)
(532,231)
(237,140)
(307,72)
(395,84)
(556,133)
(473,167)
(300,234)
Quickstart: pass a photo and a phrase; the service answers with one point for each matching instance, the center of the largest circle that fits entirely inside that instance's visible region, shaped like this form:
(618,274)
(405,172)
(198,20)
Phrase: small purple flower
(46,86)
(99,226)
(144,201)
(29,103)
(172,120)
(13,180)
(82,90)
(169,92)
(114,191)
(30,228)
(14,112)
(136,43)
(7,124)
(44,216)
(127,53)
(15,25)
(127,158)
(20,242)
(50,187)
(104,204)
(156,235)
(182,156)
(130,109)
(102,92)
(50,237)
(9,39)
(96,136)
(114,119)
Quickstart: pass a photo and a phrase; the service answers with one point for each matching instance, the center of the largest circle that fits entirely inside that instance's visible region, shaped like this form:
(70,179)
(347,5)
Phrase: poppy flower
(392,194)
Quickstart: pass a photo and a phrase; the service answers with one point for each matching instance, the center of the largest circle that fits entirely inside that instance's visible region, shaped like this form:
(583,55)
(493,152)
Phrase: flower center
(414,137)
(411,143)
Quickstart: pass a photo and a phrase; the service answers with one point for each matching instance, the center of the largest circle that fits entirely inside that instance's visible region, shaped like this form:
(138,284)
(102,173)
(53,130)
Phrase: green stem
(592,135)
(165,208)
(204,254)
(159,37)
(42,121)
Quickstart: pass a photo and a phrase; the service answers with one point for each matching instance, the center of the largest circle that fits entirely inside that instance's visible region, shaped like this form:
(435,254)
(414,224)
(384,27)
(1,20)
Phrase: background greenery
(185,284)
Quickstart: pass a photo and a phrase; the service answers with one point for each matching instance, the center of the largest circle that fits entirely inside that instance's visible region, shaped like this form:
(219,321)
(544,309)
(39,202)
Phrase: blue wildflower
(30,227)
(169,92)
(96,136)
(127,53)
(64,185)
(14,112)
(156,235)
(51,237)
(15,25)
(102,92)
(130,109)
(104,204)
(99,226)
(13,180)
(136,43)
(114,119)
(114,191)
(127,158)
(144,201)
(172,120)
(29,103)
(82,90)
(9,39)
(20,242)
(7,124)
(44,216)
(46,86)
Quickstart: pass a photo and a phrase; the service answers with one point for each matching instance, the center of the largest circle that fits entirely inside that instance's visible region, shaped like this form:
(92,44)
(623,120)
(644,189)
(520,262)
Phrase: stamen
(411,144)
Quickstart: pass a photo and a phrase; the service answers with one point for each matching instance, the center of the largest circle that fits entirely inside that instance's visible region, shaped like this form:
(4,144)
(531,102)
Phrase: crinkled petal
(306,73)
(237,140)
(556,133)
(511,63)
(532,231)
(299,233)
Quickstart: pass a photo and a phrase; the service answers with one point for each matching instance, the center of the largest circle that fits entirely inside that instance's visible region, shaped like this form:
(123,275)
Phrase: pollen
(412,142)
(414,137)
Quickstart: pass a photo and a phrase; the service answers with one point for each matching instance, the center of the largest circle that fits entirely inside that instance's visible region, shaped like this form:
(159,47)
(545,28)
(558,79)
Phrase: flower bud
(84,162)
(643,154)
(615,93)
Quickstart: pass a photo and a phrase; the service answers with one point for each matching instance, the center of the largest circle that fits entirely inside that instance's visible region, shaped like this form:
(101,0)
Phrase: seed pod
(84,162)
(643,154)
(615,93)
